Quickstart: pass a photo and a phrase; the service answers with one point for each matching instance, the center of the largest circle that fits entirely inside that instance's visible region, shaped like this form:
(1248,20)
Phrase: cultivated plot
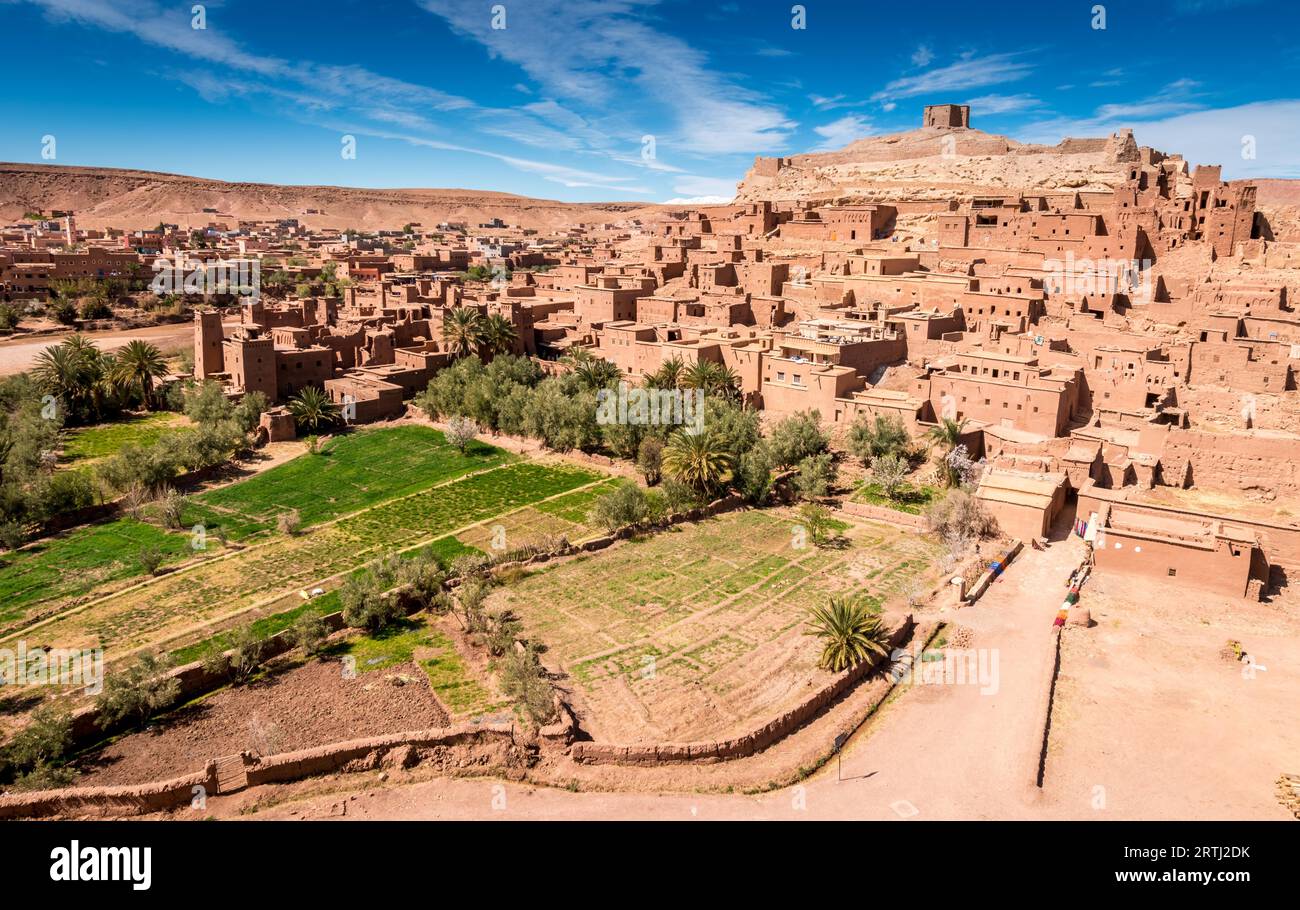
(697,632)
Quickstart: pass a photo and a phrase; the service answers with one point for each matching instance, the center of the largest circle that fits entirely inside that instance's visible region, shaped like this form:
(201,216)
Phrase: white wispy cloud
(966,73)
(839,133)
(609,55)
(1002,104)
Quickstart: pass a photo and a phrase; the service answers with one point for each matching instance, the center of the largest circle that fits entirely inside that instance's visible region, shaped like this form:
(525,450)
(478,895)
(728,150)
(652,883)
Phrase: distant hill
(141,199)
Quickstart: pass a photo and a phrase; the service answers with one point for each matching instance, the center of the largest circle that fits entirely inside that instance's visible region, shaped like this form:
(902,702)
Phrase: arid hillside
(142,199)
(935,163)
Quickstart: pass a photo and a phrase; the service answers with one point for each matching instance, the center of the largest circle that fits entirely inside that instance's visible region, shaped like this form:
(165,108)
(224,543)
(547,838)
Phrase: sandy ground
(1153,723)
(18,354)
(310,705)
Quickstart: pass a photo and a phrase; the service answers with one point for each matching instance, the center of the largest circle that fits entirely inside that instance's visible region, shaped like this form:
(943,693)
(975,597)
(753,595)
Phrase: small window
(1173,572)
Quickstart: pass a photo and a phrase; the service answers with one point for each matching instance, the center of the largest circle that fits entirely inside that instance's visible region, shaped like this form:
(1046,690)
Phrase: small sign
(840,741)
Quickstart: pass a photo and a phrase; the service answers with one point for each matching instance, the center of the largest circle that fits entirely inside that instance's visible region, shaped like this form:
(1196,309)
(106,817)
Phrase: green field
(417,640)
(354,471)
(70,566)
(90,443)
(350,473)
(267,573)
(909,498)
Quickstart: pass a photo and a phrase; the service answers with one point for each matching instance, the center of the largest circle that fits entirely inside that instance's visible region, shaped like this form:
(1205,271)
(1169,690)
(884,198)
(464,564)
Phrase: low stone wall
(336,756)
(133,799)
(884,513)
(977,590)
(741,746)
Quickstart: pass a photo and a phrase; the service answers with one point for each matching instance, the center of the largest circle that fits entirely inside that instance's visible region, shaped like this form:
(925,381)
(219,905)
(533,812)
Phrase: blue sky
(559,102)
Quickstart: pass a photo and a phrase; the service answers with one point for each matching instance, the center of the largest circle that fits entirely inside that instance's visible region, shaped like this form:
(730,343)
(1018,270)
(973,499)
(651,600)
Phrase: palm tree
(596,373)
(462,329)
(850,632)
(947,435)
(711,378)
(696,459)
(498,334)
(312,408)
(137,366)
(668,376)
(73,372)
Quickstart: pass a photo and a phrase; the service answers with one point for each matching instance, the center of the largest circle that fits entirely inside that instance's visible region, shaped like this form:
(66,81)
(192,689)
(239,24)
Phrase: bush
(12,535)
(9,317)
(959,514)
(816,474)
(92,308)
(524,680)
(248,412)
(367,604)
(621,508)
(137,692)
(889,471)
(650,459)
(62,311)
(309,631)
(246,654)
(797,437)
(288,523)
(817,519)
(461,431)
(151,559)
(472,594)
(679,497)
(885,435)
(35,757)
(171,509)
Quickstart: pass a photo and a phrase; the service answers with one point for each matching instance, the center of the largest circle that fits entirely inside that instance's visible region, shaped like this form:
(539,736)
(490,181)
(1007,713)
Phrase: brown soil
(308,705)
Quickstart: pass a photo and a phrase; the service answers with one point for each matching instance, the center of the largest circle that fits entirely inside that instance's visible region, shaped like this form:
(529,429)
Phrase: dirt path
(18,354)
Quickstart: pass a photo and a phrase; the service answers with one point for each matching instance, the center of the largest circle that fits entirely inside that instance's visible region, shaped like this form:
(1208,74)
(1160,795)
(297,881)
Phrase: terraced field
(696,632)
(266,576)
(351,473)
(62,569)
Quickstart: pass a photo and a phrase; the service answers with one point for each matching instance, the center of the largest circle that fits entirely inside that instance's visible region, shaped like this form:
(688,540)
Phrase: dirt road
(18,354)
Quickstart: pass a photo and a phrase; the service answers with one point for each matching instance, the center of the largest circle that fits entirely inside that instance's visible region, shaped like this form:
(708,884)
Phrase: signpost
(840,740)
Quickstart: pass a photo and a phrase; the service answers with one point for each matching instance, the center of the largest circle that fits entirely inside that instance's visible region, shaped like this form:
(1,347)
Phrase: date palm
(668,376)
(947,435)
(312,408)
(462,329)
(709,377)
(596,373)
(73,372)
(498,334)
(850,634)
(137,366)
(698,460)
